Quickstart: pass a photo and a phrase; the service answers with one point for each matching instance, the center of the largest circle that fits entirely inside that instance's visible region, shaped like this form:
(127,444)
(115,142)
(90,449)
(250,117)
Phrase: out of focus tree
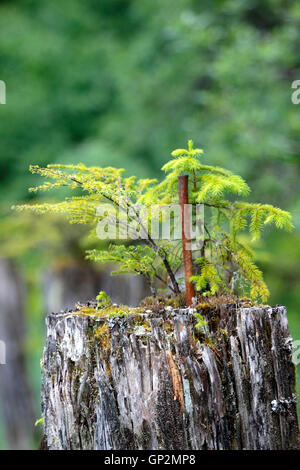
(17,406)
(122,80)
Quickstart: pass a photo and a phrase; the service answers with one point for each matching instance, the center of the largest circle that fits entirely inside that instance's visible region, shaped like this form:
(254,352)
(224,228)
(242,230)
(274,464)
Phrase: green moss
(120,313)
(156,303)
(102,336)
(208,341)
(224,332)
(203,307)
(140,321)
(100,331)
(108,312)
(85,311)
(168,327)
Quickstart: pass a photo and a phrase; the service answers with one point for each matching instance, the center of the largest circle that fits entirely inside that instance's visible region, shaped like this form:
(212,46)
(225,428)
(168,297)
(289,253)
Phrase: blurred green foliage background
(124,82)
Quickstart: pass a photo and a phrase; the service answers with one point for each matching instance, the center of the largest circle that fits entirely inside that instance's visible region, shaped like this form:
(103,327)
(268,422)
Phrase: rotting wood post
(183,181)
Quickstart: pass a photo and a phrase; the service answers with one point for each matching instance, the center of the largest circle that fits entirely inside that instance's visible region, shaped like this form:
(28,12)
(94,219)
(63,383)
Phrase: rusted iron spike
(183,181)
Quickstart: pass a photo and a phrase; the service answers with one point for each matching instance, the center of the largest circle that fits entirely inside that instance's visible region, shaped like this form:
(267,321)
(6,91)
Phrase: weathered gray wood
(231,386)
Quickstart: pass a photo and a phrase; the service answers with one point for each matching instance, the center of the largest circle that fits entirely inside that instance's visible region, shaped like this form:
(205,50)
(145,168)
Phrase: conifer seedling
(223,263)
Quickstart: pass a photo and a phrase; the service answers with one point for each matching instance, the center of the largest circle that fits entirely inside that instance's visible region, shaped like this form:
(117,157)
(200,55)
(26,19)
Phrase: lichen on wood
(153,381)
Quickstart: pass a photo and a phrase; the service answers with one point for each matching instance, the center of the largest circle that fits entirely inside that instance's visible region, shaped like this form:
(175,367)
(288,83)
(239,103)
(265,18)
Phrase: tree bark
(153,381)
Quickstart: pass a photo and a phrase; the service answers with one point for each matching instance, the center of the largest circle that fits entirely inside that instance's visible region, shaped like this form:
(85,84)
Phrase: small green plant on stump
(223,263)
(103,300)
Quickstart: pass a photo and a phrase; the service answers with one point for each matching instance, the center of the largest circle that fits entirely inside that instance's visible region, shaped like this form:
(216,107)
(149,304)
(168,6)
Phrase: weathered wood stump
(153,381)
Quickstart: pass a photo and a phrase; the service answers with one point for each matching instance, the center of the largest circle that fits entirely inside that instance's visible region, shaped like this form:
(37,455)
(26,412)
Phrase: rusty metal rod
(183,181)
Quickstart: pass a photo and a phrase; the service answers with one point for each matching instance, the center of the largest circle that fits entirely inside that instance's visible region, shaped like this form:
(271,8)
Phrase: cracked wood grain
(231,386)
